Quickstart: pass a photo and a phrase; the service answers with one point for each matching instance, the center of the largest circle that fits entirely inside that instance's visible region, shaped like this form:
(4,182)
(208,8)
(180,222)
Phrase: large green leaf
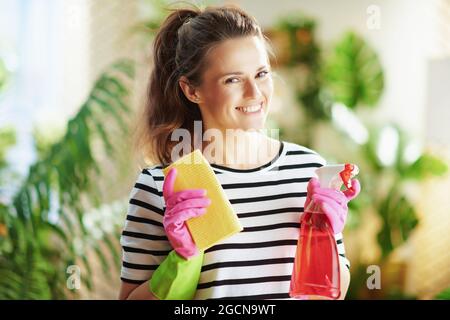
(425,166)
(398,220)
(354,74)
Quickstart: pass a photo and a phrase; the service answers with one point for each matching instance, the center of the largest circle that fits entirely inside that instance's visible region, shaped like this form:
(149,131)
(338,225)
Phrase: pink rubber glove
(332,202)
(182,206)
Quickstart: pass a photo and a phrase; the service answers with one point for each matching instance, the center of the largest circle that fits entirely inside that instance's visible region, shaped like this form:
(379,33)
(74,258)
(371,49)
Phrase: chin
(253,127)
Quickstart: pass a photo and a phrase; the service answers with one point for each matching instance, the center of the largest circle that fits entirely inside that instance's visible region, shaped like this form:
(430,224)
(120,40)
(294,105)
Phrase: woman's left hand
(332,202)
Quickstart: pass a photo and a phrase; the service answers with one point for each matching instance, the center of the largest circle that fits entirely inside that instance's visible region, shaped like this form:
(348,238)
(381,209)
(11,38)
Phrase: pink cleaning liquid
(316,265)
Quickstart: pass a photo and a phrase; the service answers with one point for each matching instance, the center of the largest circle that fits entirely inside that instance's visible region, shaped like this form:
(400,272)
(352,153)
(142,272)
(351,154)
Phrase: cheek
(268,88)
(220,99)
(226,97)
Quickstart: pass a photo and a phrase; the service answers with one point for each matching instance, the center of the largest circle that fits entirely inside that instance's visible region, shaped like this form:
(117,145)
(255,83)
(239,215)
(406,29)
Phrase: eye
(230,80)
(265,73)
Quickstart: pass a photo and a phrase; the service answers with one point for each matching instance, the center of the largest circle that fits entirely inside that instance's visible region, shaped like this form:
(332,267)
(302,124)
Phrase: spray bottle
(316,273)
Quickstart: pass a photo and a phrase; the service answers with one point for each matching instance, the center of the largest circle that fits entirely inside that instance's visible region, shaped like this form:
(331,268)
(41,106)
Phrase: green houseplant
(43,224)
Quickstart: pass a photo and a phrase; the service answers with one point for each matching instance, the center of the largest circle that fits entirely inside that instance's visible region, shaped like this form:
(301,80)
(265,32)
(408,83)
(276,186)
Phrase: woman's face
(236,86)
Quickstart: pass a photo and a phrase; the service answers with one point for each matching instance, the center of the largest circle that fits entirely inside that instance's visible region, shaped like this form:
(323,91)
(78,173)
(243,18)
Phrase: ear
(189,91)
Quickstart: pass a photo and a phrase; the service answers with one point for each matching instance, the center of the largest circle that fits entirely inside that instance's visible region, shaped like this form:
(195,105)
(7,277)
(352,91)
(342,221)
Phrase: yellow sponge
(220,221)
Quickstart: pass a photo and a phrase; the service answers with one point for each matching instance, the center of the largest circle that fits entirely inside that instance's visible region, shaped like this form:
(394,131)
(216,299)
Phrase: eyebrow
(239,72)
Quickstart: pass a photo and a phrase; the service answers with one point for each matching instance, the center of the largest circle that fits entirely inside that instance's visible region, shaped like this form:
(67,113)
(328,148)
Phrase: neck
(248,149)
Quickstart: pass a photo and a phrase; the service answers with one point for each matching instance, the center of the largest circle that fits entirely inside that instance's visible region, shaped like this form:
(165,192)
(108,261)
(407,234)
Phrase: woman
(212,67)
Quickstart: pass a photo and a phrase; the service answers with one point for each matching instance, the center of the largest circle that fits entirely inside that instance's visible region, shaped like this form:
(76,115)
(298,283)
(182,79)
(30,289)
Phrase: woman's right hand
(180,207)
(332,202)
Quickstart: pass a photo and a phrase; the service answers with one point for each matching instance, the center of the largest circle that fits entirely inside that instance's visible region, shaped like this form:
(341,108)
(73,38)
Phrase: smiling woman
(212,66)
(216,70)
(234,100)
(231,99)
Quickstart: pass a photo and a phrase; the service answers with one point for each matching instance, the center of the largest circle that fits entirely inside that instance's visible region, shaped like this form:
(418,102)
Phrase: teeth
(250,108)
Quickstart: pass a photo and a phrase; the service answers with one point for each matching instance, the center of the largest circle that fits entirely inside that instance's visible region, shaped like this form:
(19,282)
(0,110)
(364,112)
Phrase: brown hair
(180,46)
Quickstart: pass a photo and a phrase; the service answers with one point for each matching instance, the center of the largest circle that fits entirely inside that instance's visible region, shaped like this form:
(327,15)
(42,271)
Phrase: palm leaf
(66,173)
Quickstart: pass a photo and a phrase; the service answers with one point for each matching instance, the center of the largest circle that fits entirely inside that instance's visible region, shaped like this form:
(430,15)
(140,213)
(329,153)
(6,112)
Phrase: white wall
(438,102)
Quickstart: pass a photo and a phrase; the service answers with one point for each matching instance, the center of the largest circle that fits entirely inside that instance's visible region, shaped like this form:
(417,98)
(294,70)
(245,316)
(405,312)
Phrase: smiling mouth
(250,109)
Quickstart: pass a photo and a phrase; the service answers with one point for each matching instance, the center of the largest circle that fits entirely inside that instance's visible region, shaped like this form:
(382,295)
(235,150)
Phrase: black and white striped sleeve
(144,242)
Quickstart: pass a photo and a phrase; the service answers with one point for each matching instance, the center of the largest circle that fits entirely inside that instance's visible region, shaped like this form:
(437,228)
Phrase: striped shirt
(253,264)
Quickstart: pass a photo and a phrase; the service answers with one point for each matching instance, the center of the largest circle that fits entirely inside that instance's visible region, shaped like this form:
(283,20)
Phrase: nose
(252,91)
